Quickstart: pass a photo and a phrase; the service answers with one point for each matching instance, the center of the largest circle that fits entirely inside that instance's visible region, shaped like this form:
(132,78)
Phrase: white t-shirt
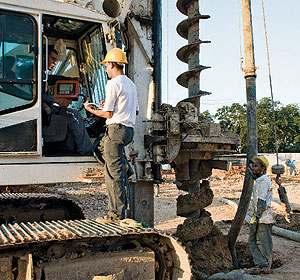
(262,189)
(121,99)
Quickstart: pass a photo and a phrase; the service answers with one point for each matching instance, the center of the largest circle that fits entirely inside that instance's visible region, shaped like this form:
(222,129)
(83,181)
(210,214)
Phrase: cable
(270,81)
(167,48)
(240,38)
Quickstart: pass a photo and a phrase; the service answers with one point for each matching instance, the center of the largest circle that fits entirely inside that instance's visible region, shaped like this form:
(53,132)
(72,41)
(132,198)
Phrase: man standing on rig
(120,109)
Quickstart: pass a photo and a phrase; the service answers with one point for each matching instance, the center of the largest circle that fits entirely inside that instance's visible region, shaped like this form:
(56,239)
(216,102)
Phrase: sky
(225,79)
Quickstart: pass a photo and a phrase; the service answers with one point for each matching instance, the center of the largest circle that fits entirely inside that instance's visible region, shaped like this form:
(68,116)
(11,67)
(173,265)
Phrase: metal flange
(183,5)
(183,27)
(184,53)
(184,78)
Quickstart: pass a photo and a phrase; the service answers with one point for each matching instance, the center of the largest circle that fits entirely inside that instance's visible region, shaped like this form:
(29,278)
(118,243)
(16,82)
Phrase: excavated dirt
(246,260)
(290,223)
(286,253)
(195,228)
(192,202)
(286,260)
(210,254)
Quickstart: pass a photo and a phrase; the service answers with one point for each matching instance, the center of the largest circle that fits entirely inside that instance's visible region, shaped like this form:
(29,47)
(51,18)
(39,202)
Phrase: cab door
(93,50)
(19,110)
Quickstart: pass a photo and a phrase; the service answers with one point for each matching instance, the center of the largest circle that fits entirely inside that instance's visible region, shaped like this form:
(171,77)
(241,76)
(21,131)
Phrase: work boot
(108,218)
(130,223)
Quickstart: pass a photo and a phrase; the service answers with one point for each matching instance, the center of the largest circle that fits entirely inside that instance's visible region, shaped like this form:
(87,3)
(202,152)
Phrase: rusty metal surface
(211,139)
(194,73)
(22,233)
(183,6)
(172,259)
(182,27)
(184,52)
(189,29)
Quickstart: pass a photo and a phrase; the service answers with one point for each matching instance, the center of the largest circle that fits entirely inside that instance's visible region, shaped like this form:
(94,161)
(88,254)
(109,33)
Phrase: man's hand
(87,106)
(278,180)
(90,107)
(253,220)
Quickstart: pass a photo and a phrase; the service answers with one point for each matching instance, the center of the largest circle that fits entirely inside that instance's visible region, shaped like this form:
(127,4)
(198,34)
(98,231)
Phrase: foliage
(285,118)
(206,116)
(234,118)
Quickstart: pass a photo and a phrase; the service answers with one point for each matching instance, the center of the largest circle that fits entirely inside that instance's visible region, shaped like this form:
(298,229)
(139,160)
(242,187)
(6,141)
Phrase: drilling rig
(53,244)
(192,145)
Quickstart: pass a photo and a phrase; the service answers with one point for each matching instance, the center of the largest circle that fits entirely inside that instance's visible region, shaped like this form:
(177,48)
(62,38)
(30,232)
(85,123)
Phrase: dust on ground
(286,253)
(93,200)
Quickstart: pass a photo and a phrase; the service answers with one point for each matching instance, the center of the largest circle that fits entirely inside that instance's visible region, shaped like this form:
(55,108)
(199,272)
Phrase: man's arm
(261,207)
(283,194)
(97,112)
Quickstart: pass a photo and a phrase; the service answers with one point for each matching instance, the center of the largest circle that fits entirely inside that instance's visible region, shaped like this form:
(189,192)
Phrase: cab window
(67,67)
(93,49)
(17,61)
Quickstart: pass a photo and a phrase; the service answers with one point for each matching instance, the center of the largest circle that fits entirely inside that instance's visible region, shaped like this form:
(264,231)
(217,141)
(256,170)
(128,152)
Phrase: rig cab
(37,143)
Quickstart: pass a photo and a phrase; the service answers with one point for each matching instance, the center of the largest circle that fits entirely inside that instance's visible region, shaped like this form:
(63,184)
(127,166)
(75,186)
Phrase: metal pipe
(289,234)
(250,77)
(157,38)
(46,59)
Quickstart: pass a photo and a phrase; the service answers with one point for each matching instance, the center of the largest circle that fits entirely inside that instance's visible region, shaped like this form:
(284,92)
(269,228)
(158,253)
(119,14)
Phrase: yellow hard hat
(263,160)
(115,55)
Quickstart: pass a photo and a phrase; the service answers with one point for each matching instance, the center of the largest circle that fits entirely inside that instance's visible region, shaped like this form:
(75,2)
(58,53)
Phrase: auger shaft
(195,159)
(189,30)
(193,37)
(191,54)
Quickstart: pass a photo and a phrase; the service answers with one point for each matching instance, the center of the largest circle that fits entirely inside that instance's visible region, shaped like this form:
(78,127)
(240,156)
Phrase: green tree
(206,116)
(234,118)
(288,124)
(285,118)
(266,122)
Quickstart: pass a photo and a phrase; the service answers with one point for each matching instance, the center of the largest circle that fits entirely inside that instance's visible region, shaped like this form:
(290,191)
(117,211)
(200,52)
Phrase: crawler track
(76,239)
(28,207)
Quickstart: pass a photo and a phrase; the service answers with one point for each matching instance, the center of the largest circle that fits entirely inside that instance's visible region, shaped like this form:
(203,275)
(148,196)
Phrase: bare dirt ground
(92,198)
(229,185)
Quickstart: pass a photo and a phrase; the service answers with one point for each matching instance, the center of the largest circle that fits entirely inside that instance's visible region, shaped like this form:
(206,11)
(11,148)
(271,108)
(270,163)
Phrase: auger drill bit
(190,54)
(200,142)
(189,30)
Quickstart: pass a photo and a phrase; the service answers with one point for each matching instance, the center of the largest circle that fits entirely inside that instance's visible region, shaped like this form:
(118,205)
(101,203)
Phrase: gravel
(93,200)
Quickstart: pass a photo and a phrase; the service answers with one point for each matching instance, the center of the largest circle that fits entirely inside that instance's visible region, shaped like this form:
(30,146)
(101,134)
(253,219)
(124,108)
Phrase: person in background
(291,164)
(9,62)
(260,216)
(77,139)
(47,99)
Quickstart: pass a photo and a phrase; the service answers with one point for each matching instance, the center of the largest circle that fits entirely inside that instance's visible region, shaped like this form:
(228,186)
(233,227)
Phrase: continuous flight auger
(189,30)
(202,142)
(190,54)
